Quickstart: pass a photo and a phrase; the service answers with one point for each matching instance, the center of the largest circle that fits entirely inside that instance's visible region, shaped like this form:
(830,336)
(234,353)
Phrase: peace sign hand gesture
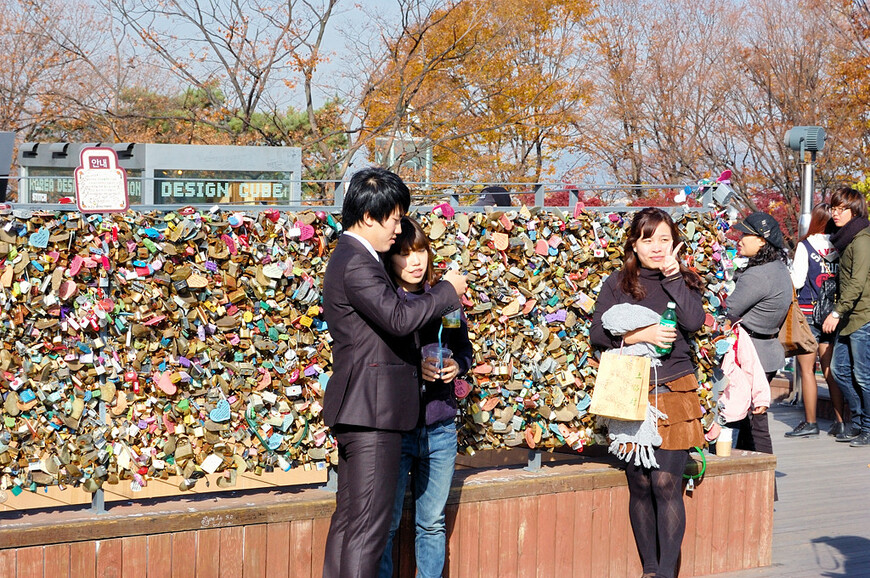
(670,264)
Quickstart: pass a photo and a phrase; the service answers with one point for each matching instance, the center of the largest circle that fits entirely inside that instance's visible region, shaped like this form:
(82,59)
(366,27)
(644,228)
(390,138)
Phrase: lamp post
(803,139)
(806,139)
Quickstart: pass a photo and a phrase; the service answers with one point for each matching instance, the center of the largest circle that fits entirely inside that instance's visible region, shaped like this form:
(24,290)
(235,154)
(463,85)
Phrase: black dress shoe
(849,434)
(803,430)
(837,428)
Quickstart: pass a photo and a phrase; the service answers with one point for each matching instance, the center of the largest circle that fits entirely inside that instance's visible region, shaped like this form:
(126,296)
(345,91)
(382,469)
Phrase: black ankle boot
(804,430)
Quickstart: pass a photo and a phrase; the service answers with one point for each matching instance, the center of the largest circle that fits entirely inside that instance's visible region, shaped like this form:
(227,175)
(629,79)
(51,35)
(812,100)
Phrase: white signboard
(101,185)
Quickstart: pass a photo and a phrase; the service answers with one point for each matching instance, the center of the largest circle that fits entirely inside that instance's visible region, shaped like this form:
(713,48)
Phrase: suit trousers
(368,471)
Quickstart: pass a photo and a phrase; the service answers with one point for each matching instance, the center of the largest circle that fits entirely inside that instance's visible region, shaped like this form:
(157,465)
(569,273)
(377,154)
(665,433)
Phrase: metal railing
(458,194)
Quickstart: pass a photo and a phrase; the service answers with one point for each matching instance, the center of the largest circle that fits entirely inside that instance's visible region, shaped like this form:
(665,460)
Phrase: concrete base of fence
(569,518)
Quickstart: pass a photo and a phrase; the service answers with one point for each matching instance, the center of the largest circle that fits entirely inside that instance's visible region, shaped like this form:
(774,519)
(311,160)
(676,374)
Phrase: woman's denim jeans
(851,369)
(429,456)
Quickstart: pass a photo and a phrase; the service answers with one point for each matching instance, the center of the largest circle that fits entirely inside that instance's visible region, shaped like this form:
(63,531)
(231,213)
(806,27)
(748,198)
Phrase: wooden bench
(568,518)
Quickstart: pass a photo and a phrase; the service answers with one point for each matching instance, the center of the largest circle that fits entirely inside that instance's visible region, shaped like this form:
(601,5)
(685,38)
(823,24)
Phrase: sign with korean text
(101,184)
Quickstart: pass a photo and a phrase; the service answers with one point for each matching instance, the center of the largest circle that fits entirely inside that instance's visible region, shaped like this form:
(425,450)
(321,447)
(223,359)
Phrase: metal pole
(331,480)
(539,195)
(573,197)
(807,194)
(98,499)
(534,462)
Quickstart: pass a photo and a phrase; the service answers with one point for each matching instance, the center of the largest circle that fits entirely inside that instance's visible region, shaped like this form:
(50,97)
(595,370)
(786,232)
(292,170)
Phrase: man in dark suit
(373,394)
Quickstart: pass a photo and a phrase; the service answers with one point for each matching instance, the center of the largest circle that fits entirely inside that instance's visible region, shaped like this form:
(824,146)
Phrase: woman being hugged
(651,277)
(815,261)
(429,451)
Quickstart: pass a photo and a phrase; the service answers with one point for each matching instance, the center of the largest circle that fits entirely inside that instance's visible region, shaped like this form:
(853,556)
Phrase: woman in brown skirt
(652,277)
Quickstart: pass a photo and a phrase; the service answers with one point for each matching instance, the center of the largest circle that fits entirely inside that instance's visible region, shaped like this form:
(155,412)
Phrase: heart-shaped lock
(461,388)
(39,239)
(221,412)
(501,241)
(164,382)
(76,265)
(444,210)
(274,441)
(306,231)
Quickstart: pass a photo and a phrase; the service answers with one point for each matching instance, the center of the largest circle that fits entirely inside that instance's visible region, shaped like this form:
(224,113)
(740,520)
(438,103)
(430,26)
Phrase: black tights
(657,512)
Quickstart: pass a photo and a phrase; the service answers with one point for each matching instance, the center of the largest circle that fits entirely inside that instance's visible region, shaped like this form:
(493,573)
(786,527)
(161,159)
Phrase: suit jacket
(375,379)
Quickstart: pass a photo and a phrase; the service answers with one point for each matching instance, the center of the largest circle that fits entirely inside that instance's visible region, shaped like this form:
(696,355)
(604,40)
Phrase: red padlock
(273,216)
(132,378)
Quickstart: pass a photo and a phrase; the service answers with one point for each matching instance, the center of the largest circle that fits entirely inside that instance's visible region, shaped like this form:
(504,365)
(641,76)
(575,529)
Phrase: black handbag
(824,303)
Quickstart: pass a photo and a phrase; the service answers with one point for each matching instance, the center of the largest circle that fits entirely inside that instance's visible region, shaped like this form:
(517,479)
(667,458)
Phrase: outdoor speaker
(806,138)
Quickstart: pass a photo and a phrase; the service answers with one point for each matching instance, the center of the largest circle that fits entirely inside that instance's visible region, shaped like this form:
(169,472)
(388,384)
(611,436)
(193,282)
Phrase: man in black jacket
(373,394)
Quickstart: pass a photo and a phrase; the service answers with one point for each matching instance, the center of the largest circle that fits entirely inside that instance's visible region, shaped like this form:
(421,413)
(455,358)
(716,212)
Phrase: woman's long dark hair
(820,221)
(644,224)
(767,254)
(412,238)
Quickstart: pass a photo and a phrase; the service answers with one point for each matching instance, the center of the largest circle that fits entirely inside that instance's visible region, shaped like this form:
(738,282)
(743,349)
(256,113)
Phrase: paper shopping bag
(621,387)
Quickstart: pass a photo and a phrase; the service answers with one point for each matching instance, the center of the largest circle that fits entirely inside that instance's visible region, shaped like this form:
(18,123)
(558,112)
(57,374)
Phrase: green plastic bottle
(669,319)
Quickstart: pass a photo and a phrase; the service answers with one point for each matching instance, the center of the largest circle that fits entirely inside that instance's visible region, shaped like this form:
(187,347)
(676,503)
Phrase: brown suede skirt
(682,429)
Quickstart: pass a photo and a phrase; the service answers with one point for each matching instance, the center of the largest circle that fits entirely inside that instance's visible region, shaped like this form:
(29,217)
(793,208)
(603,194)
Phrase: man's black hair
(494,195)
(376,192)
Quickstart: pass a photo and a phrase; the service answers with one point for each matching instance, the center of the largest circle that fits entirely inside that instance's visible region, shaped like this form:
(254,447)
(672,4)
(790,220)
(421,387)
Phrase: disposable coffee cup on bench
(723,442)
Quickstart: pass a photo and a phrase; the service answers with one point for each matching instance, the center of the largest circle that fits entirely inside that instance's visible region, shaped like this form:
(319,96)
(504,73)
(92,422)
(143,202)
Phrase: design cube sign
(101,185)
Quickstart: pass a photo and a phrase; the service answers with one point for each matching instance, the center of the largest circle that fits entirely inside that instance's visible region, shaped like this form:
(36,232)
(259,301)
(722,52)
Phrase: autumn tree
(849,22)
(658,89)
(242,61)
(785,74)
(641,91)
(39,77)
(684,90)
(491,93)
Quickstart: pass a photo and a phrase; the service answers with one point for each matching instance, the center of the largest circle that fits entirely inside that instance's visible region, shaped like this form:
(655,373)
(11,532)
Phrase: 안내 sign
(101,185)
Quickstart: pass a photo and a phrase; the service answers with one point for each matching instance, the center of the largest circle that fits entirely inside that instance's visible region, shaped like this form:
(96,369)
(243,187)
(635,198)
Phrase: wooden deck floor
(822,519)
